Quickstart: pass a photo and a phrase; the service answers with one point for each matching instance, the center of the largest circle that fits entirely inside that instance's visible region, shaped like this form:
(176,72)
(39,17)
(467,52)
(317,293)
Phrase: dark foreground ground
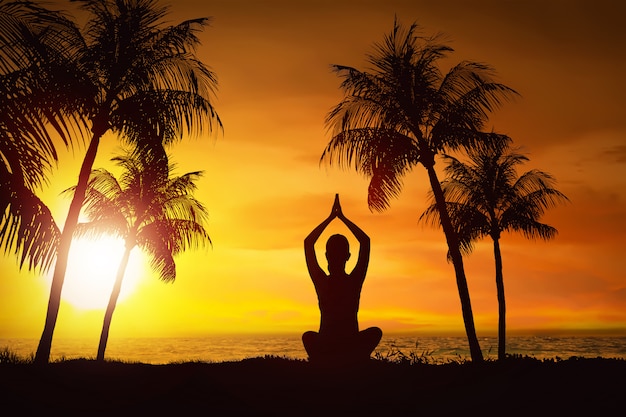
(284,387)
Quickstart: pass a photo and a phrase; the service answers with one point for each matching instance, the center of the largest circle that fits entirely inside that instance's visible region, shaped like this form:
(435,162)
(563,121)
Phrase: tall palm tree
(36,100)
(150,209)
(486,197)
(405,111)
(146,85)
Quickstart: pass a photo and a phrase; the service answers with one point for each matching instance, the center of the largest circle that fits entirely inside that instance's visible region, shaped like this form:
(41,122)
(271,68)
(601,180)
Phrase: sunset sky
(266,190)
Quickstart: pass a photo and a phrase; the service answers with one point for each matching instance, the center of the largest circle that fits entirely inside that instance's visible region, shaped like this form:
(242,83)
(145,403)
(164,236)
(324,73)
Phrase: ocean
(238,347)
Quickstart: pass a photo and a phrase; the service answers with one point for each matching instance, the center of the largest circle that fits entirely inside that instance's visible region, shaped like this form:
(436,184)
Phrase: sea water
(238,347)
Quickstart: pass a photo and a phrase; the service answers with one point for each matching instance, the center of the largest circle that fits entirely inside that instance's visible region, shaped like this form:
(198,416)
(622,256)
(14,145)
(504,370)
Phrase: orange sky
(265,190)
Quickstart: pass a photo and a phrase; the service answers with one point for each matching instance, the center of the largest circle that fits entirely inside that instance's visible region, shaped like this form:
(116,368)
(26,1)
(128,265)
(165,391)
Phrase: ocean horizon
(227,348)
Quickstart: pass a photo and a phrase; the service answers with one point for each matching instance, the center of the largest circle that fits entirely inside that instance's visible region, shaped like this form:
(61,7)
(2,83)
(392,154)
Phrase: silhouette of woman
(339,339)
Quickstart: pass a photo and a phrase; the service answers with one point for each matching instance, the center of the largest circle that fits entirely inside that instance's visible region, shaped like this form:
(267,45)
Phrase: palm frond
(161,256)
(530,227)
(469,223)
(147,206)
(36,45)
(109,226)
(383,156)
(485,196)
(169,113)
(27,227)
(369,103)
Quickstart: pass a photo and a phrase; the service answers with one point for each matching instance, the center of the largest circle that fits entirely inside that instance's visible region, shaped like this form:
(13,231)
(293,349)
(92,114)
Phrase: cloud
(616,154)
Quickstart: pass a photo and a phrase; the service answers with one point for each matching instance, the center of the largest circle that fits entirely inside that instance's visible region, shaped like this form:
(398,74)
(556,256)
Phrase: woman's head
(337,251)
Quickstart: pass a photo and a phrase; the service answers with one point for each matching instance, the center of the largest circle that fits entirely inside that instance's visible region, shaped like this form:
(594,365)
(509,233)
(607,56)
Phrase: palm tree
(404,112)
(146,85)
(35,96)
(149,209)
(485,197)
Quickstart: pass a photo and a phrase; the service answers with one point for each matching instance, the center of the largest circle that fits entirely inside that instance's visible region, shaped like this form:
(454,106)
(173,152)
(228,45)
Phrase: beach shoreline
(275,386)
(221,348)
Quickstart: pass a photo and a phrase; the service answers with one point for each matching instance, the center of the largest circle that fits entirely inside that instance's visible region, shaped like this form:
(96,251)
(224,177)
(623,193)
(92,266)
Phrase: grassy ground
(273,386)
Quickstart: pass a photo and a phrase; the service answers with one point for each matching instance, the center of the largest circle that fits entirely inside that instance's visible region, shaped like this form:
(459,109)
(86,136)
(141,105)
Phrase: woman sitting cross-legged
(339,339)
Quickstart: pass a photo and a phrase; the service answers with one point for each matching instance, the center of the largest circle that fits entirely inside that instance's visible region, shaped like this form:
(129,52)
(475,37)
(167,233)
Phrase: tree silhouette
(36,100)
(405,112)
(150,209)
(485,197)
(146,85)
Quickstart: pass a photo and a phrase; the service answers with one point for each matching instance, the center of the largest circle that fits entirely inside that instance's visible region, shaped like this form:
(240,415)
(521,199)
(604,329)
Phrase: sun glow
(91,272)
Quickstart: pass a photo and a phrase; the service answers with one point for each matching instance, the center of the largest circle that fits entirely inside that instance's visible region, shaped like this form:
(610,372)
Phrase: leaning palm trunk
(501,301)
(457,262)
(45,343)
(115,293)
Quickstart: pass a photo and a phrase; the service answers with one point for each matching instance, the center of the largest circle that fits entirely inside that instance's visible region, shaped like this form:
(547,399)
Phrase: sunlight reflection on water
(233,348)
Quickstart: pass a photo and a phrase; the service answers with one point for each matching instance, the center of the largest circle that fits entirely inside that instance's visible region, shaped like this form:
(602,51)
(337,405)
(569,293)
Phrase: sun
(91,271)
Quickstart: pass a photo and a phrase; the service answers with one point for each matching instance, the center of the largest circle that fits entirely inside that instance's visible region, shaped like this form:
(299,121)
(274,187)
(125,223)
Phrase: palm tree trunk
(115,293)
(54,302)
(501,301)
(457,261)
